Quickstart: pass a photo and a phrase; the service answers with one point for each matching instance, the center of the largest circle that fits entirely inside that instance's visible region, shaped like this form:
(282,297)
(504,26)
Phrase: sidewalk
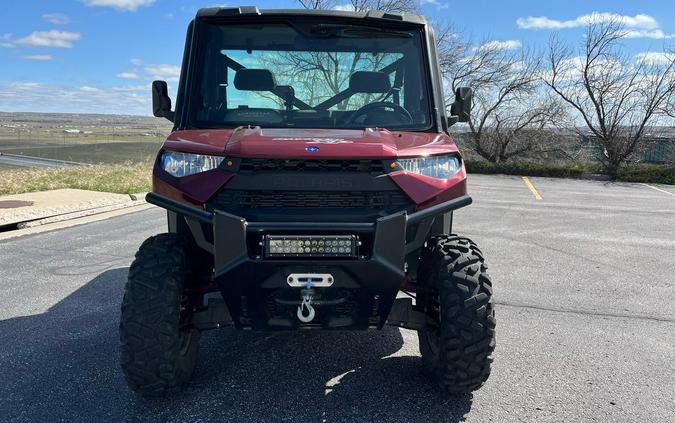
(37,208)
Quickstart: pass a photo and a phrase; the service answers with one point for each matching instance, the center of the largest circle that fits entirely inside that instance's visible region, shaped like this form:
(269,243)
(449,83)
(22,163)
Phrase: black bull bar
(382,272)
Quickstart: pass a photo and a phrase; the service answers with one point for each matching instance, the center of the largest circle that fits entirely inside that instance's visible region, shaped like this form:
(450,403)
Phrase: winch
(308,281)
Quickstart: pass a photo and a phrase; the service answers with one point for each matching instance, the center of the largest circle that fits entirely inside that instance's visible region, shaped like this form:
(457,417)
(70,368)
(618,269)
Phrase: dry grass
(123,178)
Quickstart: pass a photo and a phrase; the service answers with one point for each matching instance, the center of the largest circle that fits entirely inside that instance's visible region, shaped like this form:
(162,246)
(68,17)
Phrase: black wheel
(158,348)
(457,344)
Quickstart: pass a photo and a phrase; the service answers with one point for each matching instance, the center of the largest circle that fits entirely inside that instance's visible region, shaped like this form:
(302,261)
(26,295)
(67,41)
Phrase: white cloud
(124,5)
(638,26)
(656,34)
(131,88)
(88,89)
(38,97)
(543,22)
(56,18)
(501,45)
(39,57)
(128,75)
(53,38)
(164,72)
(26,85)
(569,68)
(344,7)
(655,57)
(437,3)
(147,71)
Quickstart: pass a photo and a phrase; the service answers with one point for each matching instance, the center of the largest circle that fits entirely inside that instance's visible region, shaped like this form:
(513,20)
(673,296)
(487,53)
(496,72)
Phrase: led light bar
(310,245)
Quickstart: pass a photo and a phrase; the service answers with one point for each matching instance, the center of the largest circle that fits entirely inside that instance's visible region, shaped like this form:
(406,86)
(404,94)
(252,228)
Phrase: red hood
(296,143)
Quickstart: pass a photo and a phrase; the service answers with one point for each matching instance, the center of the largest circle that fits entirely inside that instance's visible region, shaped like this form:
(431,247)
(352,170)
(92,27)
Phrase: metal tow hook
(306,304)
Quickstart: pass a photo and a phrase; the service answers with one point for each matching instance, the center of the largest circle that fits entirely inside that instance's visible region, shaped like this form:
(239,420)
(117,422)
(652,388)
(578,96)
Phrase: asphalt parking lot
(584,283)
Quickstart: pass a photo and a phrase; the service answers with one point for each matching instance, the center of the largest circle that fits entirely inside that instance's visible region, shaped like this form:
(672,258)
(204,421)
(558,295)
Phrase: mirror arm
(170,115)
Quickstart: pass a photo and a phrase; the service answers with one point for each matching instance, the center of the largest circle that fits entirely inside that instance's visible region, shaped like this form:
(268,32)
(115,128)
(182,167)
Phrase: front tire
(158,348)
(457,347)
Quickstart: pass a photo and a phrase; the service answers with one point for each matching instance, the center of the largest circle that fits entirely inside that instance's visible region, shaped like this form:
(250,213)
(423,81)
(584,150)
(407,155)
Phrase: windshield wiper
(353,31)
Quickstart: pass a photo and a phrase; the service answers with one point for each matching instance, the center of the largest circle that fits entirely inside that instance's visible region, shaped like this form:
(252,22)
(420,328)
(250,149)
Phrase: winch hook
(306,304)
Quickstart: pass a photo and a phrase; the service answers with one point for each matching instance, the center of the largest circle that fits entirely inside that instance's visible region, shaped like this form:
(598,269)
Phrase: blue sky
(99,56)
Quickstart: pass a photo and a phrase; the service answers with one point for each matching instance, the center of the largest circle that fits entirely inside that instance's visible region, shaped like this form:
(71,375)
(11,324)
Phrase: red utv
(309,180)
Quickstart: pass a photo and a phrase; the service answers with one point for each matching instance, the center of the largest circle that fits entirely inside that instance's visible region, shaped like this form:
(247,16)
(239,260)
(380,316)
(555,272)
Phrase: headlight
(439,167)
(183,164)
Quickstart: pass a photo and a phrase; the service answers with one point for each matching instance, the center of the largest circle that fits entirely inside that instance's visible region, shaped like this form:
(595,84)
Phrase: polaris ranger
(308,181)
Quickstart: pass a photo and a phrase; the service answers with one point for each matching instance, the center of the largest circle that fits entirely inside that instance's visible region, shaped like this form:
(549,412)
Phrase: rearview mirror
(460,110)
(161,102)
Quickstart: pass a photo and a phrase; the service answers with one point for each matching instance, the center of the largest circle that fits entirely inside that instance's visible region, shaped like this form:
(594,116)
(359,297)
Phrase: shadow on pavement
(63,365)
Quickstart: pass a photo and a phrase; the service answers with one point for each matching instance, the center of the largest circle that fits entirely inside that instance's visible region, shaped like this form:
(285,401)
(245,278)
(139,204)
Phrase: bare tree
(615,95)
(669,108)
(392,6)
(321,75)
(510,115)
(335,69)
(317,4)
(520,132)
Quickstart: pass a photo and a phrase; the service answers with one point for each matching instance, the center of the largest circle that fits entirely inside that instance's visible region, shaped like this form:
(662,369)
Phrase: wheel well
(177,223)
(441,225)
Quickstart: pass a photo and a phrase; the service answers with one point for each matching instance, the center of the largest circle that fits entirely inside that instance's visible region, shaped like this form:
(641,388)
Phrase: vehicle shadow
(63,365)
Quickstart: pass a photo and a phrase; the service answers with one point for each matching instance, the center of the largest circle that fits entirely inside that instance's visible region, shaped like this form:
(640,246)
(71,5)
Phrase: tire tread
(456,267)
(150,338)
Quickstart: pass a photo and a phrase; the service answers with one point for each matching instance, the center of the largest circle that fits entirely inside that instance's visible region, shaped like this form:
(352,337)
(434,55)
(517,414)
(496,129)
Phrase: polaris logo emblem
(312,149)
(315,140)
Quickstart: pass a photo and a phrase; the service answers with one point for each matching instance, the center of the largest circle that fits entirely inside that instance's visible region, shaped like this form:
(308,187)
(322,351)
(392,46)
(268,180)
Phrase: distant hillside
(58,122)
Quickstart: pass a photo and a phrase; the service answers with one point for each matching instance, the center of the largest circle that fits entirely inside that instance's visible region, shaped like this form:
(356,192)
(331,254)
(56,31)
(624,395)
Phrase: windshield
(309,76)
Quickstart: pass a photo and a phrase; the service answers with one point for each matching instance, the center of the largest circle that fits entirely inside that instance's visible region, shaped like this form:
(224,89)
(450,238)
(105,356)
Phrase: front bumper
(247,279)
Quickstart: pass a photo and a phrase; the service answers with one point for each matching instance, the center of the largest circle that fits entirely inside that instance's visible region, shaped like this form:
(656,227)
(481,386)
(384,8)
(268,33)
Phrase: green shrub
(658,174)
(647,173)
(529,169)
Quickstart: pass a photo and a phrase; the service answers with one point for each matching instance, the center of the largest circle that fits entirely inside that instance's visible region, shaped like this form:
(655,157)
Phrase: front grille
(256,164)
(235,199)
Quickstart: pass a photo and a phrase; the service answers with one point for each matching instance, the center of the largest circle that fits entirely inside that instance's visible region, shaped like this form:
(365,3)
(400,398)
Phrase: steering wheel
(380,105)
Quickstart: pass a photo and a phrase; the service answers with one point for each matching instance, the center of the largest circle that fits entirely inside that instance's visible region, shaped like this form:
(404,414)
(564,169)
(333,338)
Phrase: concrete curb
(134,201)
(46,207)
(595,177)
(73,221)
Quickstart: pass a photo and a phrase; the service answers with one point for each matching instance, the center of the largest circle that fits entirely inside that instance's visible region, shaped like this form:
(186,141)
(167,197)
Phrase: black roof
(254,11)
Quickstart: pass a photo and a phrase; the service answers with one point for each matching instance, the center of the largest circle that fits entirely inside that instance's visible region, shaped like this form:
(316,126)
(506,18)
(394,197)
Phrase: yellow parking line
(529,184)
(659,189)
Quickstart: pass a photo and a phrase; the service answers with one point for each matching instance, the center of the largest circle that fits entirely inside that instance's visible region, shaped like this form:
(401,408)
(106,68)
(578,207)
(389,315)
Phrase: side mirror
(460,110)
(161,102)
